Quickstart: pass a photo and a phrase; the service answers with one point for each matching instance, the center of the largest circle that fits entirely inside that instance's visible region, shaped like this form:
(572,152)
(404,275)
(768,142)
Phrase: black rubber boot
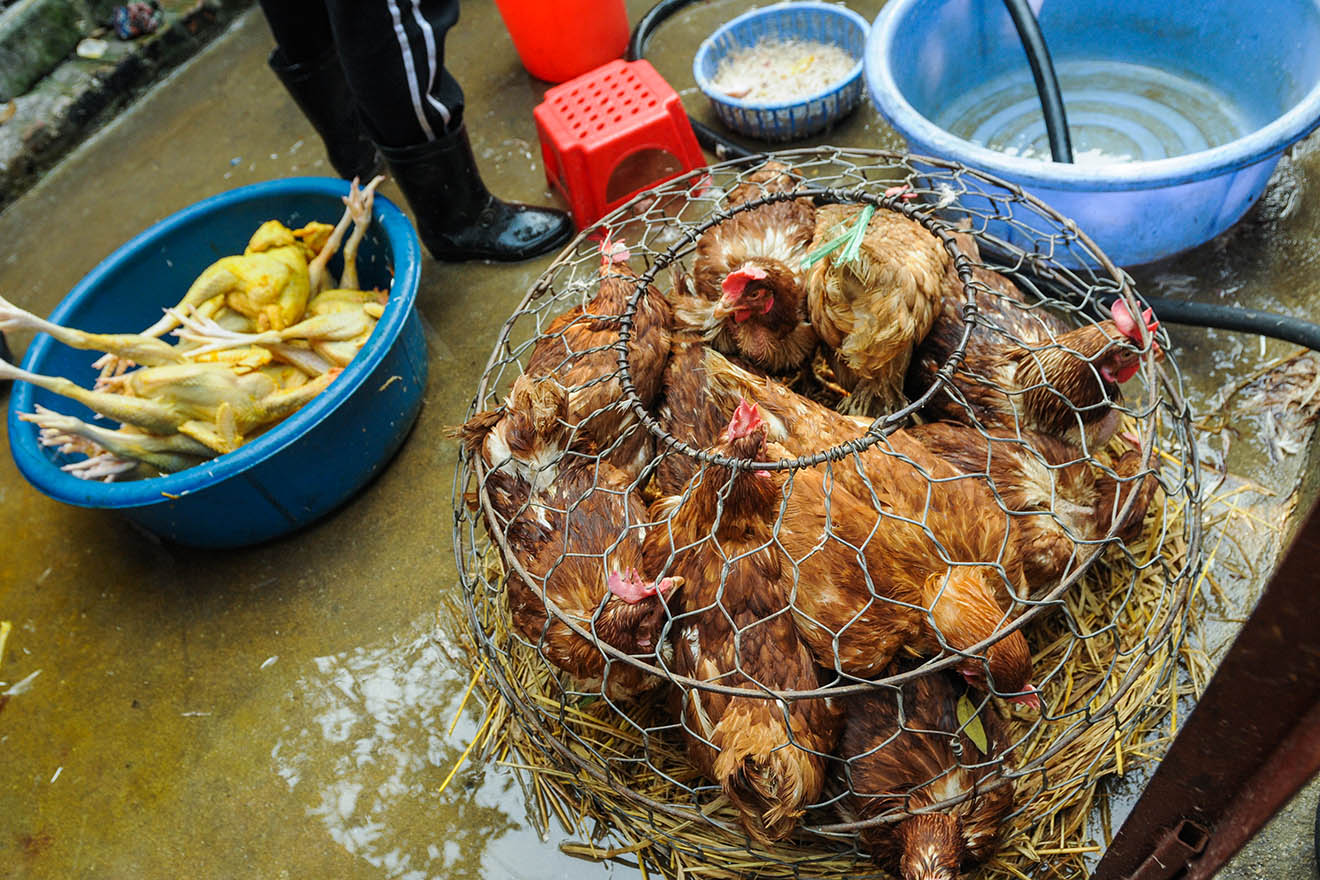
(321,93)
(457,217)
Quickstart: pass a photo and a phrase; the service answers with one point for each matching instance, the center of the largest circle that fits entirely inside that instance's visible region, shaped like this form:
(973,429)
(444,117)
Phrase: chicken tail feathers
(767,776)
(472,433)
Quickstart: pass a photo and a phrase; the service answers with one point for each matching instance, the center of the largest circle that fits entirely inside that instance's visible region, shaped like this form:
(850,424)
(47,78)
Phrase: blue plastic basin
(308,464)
(802,21)
(1263,57)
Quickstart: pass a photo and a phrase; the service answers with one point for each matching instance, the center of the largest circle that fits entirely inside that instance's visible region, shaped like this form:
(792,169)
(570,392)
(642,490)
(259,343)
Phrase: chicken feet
(166,453)
(135,347)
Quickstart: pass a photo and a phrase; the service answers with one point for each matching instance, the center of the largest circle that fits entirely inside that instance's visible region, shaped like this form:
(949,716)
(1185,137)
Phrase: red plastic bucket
(560,39)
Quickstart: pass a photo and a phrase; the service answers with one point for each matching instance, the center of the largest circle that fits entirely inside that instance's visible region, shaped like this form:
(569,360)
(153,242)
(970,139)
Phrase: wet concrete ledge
(66,103)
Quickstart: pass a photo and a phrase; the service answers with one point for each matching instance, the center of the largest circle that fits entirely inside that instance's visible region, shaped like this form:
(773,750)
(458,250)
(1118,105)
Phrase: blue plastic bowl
(1261,57)
(308,464)
(779,121)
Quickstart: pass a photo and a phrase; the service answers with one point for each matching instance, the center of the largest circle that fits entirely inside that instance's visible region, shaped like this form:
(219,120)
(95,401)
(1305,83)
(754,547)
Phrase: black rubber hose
(1047,84)
(708,137)
(1178,311)
(649,21)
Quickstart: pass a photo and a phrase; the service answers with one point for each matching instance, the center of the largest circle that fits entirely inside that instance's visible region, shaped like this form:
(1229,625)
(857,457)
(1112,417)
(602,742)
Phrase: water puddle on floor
(374,734)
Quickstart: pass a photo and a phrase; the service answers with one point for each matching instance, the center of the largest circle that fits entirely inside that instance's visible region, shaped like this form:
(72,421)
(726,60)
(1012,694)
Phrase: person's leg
(308,66)
(393,56)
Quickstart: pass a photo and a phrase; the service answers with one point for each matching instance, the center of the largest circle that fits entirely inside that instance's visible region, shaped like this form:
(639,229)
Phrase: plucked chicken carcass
(735,630)
(577,525)
(129,449)
(268,284)
(894,549)
(140,349)
(748,297)
(578,349)
(873,304)
(902,758)
(337,320)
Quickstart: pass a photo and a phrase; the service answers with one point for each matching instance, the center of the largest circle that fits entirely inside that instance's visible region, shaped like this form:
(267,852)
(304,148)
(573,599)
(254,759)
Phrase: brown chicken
(578,349)
(767,755)
(748,278)
(874,306)
(1061,505)
(576,524)
(934,543)
(901,759)
(1025,368)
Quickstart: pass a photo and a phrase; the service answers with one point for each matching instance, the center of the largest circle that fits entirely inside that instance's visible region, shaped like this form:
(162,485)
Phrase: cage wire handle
(881,426)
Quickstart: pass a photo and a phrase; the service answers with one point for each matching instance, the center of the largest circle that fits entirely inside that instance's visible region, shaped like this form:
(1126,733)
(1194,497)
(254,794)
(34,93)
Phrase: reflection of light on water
(368,751)
(365,748)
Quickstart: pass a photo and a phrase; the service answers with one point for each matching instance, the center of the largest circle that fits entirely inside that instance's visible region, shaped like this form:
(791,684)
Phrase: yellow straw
(467,693)
(463,757)
(5,627)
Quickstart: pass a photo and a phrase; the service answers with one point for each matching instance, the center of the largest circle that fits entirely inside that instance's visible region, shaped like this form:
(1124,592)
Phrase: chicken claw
(103,467)
(167,453)
(359,203)
(131,346)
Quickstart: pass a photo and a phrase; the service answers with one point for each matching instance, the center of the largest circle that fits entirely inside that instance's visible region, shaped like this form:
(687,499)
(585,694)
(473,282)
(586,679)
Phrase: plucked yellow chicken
(127,449)
(337,321)
(269,283)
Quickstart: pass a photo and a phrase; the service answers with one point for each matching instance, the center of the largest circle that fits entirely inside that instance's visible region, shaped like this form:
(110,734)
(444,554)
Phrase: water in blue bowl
(1118,111)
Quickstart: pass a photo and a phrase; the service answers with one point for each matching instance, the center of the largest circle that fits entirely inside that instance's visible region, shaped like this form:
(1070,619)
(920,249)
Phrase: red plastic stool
(611,132)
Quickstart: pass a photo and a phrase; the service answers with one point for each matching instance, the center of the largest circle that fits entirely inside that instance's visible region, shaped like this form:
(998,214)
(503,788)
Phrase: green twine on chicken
(850,240)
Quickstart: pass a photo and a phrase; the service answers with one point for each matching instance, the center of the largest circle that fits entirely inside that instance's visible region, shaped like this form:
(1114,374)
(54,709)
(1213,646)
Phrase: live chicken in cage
(799,579)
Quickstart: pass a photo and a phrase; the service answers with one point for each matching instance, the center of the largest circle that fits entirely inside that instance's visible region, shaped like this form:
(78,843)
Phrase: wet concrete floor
(284,710)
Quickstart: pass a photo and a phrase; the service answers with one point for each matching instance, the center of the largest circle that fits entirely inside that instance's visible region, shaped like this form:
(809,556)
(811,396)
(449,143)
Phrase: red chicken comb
(612,250)
(746,419)
(629,586)
(1127,325)
(736,281)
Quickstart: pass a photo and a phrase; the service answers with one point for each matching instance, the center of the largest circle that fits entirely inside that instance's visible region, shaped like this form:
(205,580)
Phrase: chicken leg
(359,204)
(130,346)
(166,453)
(341,326)
(208,402)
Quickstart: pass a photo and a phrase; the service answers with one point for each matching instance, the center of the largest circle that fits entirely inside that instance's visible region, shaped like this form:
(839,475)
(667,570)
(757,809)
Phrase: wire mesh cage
(803,525)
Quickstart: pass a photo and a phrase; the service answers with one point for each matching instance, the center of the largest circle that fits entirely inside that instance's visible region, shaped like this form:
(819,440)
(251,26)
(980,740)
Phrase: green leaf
(971,724)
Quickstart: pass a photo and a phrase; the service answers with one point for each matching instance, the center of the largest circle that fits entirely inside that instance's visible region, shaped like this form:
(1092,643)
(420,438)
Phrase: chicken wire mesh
(751,600)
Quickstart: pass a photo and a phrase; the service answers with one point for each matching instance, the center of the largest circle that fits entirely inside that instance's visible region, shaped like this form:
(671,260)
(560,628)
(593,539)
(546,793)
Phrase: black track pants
(392,53)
